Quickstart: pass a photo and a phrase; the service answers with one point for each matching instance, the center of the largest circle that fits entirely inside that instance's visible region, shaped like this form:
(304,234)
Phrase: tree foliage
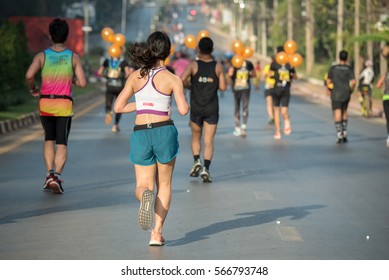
(14,60)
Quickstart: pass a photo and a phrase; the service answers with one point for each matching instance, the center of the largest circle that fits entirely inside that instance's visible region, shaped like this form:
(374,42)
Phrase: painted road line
(263,196)
(288,233)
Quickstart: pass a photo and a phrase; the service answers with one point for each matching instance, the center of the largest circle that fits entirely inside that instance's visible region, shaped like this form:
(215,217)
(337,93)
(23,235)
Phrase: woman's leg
(163,199)
(144,192)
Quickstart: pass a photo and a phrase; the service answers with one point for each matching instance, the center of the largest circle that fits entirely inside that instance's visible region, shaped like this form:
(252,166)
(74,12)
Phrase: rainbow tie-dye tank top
(56,93)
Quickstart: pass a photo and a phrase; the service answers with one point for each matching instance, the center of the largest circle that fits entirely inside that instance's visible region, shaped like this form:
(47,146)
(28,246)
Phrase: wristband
(33,89)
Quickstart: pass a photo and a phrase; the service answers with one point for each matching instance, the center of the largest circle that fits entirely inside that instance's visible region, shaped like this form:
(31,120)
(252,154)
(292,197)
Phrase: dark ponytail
(146,55)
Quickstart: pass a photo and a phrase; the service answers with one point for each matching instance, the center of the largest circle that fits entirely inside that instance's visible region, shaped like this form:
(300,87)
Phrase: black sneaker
(195,171)
(56,186)
(205,175)
(49,179)
(345,140)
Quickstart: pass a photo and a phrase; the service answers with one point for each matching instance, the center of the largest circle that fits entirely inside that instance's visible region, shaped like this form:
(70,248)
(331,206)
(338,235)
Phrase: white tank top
(151,101)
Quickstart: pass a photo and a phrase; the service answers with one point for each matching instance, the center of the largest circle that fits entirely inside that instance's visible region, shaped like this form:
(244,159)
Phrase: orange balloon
(201,34)
(190,41)
(237,60)
(238,47)
(172,49)
(282,58)
(290,47)
(114,51)
(295,60)
(248,52)
(107,33)
(119,39)
(167,61)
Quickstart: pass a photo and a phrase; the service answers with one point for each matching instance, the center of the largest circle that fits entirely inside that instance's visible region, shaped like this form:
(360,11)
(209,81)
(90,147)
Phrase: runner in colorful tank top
(59,68)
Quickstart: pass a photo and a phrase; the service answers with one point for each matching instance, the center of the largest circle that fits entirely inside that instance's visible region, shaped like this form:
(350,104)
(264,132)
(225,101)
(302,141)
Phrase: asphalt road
(301,198)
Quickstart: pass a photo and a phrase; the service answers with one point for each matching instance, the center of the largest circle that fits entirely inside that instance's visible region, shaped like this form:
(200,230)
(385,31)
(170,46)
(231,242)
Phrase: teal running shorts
(147,146)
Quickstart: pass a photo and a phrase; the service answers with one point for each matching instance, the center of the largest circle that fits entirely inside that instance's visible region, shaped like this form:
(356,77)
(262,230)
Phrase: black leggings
(109,98)
(243,96)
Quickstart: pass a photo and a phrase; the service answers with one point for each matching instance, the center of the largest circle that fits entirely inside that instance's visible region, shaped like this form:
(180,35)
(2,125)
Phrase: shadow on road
(245,220)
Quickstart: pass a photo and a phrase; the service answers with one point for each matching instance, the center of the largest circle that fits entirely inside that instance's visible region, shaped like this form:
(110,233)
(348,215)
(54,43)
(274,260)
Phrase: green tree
(14,60)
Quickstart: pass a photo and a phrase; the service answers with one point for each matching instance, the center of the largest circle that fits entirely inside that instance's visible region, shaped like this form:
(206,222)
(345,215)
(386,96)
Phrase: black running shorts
(56,129)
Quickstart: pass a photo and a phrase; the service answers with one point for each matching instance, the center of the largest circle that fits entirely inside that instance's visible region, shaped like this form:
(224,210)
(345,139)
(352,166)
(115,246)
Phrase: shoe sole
(156,243)
(145,214)
(46,186)
(196,171)
(206,178)
(56,188)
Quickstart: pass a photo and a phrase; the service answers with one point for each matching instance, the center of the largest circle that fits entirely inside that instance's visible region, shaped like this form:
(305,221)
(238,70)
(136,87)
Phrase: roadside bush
(14,61)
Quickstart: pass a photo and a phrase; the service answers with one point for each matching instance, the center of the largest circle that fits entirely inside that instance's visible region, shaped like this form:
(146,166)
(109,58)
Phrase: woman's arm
(179,96)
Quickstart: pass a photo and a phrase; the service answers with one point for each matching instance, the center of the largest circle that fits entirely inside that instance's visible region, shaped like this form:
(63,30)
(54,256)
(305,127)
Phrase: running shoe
(56,186)
(108,118)
(48,180)
(195,171)
(277,136)
(205,175)
(237,131)
(345,140)
(145,215)
(156,242)
(339,140)
(387,142)
(287,130)
(243,129)
(115,128)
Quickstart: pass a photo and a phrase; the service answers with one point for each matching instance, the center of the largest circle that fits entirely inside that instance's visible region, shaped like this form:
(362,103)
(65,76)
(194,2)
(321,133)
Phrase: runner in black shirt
(283,76)
(340,84)
(206,78)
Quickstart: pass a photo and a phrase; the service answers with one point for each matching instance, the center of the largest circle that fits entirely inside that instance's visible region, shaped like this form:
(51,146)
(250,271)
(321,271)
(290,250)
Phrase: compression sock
(344,127)
(338,126)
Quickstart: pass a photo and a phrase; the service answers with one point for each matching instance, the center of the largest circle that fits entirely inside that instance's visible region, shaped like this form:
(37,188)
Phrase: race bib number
(113,73)
(242,79)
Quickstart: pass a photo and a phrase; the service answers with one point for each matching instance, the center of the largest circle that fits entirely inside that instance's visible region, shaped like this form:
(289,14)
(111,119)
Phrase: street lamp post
(86,28)
(124,16)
